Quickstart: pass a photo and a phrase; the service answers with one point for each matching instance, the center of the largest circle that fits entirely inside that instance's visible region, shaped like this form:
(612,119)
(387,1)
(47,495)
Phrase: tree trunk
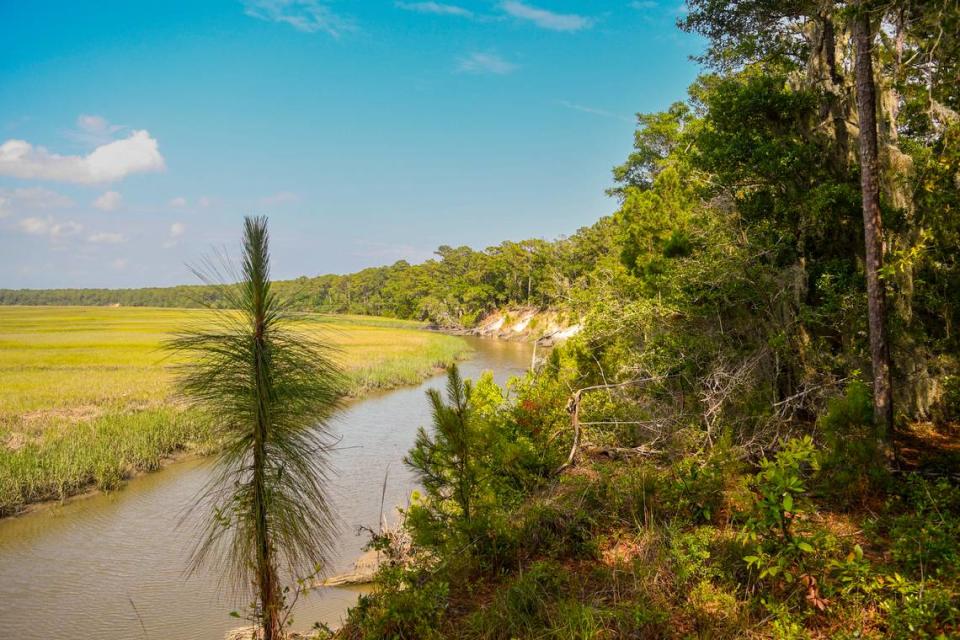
(267,579)
(267,582)
(872,225)
(833,85)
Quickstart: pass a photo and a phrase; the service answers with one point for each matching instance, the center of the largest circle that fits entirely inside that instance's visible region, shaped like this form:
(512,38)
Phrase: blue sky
(134,136)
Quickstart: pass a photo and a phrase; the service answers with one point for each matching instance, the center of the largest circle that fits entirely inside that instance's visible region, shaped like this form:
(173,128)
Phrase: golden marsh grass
(86,392)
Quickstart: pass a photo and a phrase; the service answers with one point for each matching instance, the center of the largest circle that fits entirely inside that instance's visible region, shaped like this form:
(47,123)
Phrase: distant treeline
(455,288)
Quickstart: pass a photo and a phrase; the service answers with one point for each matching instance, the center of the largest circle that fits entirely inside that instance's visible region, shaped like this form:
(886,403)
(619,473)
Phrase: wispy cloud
(108,201)
(95,130)
(106,237)
(436,8)
(178,203)
(593,110)
(24,199)
(308,16)
(49,227)
(640,5)
(485,63)
(138,153)
(546,19)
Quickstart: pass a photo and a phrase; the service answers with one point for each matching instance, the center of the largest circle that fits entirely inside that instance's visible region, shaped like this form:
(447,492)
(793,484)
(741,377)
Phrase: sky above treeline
(134,136)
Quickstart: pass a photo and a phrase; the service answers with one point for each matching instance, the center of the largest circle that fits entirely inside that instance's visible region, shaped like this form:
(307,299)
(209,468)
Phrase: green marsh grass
(85,392)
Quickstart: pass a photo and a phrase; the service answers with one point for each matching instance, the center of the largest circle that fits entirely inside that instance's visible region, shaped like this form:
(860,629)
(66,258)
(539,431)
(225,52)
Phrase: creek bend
(113,566)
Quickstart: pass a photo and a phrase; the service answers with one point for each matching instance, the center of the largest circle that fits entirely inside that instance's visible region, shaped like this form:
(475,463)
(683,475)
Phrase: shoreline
(541,327)
(29,508)
(187,452)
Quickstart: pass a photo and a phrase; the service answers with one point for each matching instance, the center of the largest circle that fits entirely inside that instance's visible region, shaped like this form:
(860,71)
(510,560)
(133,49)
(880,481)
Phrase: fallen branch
(573,408)
(622,452)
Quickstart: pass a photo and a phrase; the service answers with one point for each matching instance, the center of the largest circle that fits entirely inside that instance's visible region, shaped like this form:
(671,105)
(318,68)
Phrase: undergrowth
(707,544)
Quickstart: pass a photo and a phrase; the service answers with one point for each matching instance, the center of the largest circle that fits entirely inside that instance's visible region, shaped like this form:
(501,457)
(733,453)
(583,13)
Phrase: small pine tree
(269,392)
(446,460)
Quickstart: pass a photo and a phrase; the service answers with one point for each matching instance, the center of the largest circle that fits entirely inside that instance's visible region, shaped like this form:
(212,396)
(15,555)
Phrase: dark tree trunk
(872,225)
(832,106)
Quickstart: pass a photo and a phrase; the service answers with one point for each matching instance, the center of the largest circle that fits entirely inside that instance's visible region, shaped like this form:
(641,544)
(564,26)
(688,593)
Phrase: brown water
(112,566)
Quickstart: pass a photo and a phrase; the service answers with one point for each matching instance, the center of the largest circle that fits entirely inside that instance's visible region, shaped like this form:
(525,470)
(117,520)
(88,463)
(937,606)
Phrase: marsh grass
(86,392)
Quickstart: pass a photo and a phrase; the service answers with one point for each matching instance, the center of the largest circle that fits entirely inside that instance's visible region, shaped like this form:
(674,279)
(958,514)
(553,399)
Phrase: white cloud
(106,237)
(4,206)
(138,153)
(205,202)
(108,201)
(178,203)
(177,229)
(119,264)
(49,227)
(309,16)
(640,5)
(485,63)
(436,8)
(546,19)
(280,198)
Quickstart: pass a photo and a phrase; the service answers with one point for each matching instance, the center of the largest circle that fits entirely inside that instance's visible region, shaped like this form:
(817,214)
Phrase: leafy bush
(694,492)
(774,528)
(689,554)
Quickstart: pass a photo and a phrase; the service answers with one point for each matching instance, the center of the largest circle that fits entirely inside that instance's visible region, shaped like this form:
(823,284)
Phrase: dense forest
(454,289)
(756,432)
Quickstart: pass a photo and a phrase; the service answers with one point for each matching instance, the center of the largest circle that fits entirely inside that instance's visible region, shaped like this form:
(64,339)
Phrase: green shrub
(925,537)
(917,611)
(556,531)
(694,492)
(690,554)
(405,606)
(774,529)
(852,465)
(525,607)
